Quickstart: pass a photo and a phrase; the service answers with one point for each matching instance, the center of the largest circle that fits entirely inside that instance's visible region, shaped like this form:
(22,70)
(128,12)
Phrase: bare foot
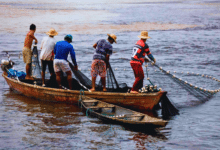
(29,78)
(92,90)
(134,92)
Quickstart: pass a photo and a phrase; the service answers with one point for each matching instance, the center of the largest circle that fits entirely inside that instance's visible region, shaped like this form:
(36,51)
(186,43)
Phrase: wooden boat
(141,101)
(114,113)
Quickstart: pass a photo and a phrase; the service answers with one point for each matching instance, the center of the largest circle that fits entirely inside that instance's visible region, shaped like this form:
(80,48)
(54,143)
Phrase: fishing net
(111,82)
(200,93)
(35,65)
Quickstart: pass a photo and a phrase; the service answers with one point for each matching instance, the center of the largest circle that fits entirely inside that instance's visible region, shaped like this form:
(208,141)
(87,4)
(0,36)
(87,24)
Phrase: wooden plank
(101,107)
(135,116)
(89,101)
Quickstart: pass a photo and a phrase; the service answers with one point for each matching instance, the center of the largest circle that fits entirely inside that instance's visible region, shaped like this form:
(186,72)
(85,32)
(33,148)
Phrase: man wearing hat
(46,56)
(103,49)
(137,59)
(61,51)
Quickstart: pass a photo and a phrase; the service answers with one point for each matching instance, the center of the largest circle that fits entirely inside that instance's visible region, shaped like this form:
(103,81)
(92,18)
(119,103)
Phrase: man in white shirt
(47,53)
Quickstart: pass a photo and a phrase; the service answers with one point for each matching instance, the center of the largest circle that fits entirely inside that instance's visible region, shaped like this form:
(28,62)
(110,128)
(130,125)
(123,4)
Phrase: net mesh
(111,82)
(201,94)
(35,65)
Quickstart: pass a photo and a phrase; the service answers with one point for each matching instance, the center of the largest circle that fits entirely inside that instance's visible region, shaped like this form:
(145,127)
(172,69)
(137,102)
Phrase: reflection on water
(45,122)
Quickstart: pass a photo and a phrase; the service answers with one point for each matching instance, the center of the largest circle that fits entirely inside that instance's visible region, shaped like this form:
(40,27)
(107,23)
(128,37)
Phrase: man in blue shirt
(61,51)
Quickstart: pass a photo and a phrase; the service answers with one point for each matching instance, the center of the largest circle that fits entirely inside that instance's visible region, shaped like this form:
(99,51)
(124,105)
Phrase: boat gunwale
(78,91)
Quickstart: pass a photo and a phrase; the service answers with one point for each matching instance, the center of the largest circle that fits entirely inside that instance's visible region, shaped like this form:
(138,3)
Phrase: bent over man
(103,49)
(61,51)
(137,59)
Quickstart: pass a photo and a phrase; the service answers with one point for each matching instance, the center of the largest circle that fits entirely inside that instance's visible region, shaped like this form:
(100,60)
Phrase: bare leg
(103,83)
(28,72)
(58,78)
(93,84)
(69,79)
(51,69)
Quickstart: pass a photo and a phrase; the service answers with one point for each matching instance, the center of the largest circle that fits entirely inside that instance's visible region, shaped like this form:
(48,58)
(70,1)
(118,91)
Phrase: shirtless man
(27,52)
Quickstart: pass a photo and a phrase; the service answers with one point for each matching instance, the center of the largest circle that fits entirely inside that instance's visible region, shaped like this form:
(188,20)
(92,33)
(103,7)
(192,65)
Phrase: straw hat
(144,35)
(114,37)
(52,32)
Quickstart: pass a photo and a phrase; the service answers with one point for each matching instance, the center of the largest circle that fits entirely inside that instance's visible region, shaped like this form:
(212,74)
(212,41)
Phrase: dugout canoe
(116,114)
(141,101)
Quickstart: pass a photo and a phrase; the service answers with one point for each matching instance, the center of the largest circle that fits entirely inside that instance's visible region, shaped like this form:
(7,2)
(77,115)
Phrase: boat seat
(90,101)
(101,107)
(136,116)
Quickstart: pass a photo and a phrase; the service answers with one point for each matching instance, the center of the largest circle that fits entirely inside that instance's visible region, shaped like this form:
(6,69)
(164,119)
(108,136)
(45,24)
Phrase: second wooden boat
(114,113)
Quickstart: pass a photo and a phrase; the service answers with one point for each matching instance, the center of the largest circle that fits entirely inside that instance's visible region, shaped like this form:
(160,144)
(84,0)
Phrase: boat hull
(141,101)
(116,114)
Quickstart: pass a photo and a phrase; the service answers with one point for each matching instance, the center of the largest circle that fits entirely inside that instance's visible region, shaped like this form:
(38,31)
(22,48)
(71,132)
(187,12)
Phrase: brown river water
(184,38)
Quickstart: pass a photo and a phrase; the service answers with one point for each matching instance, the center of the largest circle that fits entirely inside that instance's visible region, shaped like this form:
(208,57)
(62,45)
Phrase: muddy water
(184,38)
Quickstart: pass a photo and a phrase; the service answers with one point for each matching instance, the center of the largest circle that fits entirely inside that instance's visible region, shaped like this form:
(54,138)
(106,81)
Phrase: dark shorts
(45,63)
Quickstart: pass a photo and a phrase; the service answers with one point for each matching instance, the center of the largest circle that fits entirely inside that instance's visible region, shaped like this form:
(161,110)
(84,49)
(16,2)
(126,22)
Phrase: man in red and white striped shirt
(137,59)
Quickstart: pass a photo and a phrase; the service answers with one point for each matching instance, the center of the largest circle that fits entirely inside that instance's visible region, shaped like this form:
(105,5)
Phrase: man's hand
(146,60)
(75,68)
(107,66)
(153,62)
(36,41)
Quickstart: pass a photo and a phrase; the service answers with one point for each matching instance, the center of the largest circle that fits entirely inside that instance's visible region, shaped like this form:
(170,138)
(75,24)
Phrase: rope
(108,131)
(80,99)
(146,65)
(87,111)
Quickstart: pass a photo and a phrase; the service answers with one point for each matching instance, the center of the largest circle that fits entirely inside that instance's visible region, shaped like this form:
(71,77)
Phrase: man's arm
(73,57)
(95,45)
(32,36)
(107,60)
(42,42)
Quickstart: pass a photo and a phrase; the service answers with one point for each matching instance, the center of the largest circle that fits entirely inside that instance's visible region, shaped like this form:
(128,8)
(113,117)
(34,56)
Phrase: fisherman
(103,50)
(137,59)
(47,55)
(61,51)
(27,52)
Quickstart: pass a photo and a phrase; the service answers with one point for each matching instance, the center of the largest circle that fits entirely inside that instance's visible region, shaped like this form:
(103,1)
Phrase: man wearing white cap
(47,53)
(137,59)
(103,49)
